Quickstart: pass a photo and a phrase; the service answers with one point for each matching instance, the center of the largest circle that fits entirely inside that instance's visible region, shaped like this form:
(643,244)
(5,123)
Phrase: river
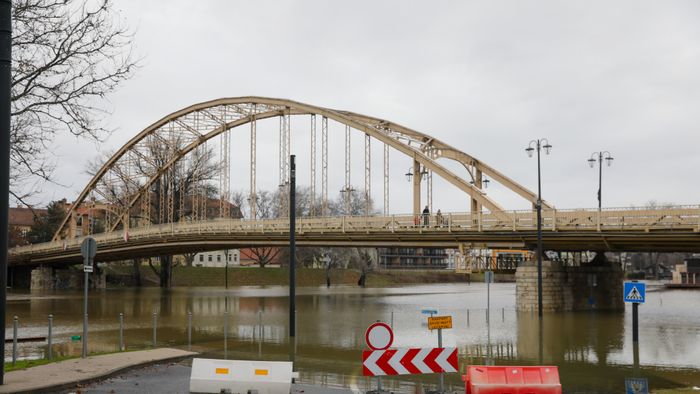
(593,350)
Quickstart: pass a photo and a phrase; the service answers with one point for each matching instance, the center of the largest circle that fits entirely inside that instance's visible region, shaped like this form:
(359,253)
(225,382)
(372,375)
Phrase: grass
(275,276)
(24,364)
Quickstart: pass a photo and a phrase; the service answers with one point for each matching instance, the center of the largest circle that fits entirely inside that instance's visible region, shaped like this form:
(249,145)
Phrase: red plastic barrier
(482,379)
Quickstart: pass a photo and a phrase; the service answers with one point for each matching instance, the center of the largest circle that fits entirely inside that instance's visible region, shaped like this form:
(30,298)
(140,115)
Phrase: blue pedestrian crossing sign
(635,292)
(636,386)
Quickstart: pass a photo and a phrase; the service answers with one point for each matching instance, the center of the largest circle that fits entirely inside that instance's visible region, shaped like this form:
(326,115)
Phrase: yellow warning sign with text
(437,322)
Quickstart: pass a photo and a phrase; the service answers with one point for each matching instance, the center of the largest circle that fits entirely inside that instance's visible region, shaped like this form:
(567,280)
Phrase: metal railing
(677,218)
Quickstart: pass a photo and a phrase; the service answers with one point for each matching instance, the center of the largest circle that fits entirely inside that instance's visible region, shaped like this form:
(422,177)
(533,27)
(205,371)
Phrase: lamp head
(609,160)
(547,147)
(529,151)
(591,162)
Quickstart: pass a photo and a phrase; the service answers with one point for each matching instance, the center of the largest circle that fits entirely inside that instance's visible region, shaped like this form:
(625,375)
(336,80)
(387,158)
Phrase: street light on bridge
(539,144)
(484,182)
(599,157)
(409,173)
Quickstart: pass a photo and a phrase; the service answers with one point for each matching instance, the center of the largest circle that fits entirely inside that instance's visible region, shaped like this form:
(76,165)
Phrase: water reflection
(576,337)
(331,323)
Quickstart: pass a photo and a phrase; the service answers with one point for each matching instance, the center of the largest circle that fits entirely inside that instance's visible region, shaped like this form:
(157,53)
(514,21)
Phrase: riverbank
(275,276)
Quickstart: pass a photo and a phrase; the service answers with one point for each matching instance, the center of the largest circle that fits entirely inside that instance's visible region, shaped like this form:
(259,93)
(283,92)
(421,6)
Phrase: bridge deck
(669,229)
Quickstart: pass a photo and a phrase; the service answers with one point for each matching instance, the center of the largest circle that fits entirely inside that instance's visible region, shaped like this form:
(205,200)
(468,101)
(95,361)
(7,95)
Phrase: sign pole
(635,322)
(292,246)
(488,276)
(88,249)
(86,263)
(441,387)
(635,293)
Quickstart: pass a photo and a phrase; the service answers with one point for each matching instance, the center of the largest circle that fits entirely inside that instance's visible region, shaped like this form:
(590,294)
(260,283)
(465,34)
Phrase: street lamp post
(539,144)
(599,157)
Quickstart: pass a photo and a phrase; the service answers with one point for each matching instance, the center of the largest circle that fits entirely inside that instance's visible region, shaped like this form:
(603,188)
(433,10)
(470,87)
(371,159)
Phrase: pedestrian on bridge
(439,219)
(426,216)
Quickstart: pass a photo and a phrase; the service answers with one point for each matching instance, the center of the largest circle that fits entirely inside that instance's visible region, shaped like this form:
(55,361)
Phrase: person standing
(438,218)
(426,216)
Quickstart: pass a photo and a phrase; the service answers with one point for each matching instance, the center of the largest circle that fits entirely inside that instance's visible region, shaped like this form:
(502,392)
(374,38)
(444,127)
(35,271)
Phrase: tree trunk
(137,273)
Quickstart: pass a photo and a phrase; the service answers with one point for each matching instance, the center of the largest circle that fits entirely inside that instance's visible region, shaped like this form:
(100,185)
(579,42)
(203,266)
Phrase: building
(687,274)
(20,222)
(217,258)
(425,258)
(237,257)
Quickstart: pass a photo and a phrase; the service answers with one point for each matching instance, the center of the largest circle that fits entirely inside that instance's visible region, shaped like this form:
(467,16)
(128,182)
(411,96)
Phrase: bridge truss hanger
(225,173)
(252,198)
(368,175)
(324,166)
(347,190)
(285,139)
(313,165)
(386,179)
(429,150)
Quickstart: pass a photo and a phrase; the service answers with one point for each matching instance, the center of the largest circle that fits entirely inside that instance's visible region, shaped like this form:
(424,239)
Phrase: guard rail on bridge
(671,228)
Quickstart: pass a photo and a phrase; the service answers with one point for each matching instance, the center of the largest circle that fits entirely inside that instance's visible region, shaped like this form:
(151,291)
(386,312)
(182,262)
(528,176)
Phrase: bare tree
(353,205)
(189,258)
(67,56)
(240,199)
(264,255)
(186,178)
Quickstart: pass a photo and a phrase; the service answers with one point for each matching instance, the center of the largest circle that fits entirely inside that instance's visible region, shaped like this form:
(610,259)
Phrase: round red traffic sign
(379,336)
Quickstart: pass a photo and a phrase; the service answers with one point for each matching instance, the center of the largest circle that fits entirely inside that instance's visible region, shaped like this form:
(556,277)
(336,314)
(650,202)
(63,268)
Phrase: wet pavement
(173,378)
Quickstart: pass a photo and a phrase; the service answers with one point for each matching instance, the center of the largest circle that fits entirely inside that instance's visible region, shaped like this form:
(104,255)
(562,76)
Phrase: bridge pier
(49,278)
(19,277)
(594,285)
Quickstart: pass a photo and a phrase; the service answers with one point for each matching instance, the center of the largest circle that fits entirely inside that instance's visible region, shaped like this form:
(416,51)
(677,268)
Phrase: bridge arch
(201,122)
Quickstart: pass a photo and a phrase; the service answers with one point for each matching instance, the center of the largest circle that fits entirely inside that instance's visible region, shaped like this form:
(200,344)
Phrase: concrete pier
(49,278)
(594,285)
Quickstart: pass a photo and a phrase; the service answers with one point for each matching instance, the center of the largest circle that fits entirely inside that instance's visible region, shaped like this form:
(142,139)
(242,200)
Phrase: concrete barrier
(241,376)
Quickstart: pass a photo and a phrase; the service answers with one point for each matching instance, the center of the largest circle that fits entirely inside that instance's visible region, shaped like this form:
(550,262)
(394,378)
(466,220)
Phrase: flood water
(593,350)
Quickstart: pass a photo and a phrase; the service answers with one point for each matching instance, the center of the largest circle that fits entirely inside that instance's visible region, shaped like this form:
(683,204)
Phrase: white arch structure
(188,129)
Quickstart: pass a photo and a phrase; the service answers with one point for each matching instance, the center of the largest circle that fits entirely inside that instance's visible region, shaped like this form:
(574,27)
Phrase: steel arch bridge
(125,181)
(153,196)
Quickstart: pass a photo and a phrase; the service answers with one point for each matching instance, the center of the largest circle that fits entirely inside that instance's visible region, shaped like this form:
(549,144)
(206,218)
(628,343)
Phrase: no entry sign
(379,336)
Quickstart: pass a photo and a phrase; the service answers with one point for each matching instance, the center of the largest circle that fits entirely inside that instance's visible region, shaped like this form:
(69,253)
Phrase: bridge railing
(676,218)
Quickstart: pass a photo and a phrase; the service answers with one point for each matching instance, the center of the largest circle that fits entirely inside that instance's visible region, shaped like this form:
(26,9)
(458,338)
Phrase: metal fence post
(155,323)
(15,323)
(121,332)
(48,338)
(189,330)
(260,326)
(225,335)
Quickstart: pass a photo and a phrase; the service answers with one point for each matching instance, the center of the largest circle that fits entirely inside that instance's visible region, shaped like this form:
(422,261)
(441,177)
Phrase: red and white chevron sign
(409,361)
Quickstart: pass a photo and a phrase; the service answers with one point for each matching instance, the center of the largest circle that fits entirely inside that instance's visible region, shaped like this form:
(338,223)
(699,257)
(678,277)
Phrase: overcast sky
(486,77)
